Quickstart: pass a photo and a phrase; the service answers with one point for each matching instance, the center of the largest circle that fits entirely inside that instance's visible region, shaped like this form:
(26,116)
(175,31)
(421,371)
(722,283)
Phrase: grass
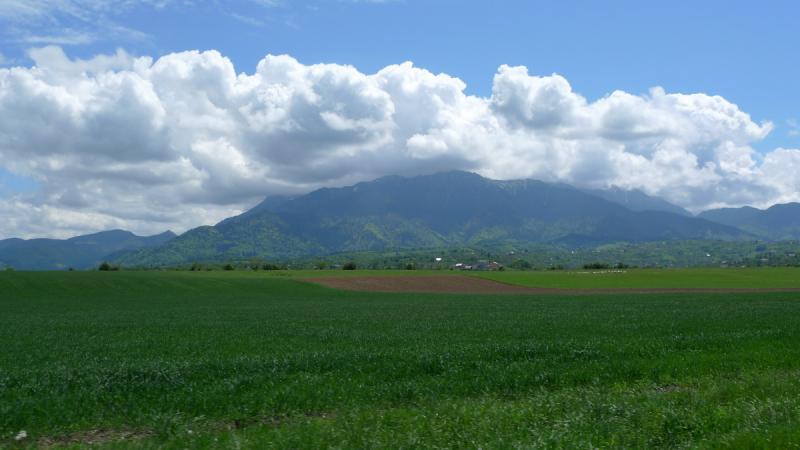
(712,278)
(219,360)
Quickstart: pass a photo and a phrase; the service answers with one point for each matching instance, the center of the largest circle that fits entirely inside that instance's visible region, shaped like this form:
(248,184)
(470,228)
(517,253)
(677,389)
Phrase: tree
(521,264)
(349,265)
(255,262)
(104,266)
(228,266)
(320,265)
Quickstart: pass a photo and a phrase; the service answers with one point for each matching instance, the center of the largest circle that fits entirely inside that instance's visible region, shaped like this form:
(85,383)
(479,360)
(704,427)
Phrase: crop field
(716,278)
(710,278)
(262,360)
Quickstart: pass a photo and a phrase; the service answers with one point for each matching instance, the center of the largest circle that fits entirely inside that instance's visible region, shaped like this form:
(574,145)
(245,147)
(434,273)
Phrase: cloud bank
(144,145)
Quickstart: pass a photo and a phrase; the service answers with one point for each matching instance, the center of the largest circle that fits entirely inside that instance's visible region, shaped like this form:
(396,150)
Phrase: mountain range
(776,223)
(447,208)
(443,209)
(636,200)
(80,252)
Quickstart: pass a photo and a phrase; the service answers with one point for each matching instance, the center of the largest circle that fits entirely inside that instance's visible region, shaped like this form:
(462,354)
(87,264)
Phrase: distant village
(482,264)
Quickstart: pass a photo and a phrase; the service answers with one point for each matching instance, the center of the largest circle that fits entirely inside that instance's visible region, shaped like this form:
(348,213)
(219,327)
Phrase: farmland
(260,359)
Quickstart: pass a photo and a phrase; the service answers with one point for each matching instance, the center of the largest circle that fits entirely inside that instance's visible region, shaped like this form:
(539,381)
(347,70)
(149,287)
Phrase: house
(494,265)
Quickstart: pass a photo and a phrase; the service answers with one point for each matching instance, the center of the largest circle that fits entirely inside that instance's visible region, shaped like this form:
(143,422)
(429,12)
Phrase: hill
(80,252)
(776,223)
(447,208)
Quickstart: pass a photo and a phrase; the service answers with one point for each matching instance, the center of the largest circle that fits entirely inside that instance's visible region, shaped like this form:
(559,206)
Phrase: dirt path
(454,284)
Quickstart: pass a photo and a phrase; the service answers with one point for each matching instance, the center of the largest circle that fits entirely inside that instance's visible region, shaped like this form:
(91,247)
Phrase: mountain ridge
(79,252)
(446,208)
(778,222)
(636,200)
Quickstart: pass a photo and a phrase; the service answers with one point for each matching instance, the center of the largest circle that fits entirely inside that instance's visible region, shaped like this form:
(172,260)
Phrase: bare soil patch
(455,284)
(93,437)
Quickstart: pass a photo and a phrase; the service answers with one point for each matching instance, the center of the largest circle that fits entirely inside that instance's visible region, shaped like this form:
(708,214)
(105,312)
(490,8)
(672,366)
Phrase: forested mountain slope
(441,209)
(80,252)
(776,223)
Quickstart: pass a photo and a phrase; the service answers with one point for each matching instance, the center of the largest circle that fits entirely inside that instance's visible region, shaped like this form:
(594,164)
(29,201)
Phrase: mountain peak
(448,208)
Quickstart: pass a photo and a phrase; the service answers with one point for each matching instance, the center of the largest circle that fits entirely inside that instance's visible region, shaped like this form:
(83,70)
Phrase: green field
(712,278)
(260,360)
(717,278)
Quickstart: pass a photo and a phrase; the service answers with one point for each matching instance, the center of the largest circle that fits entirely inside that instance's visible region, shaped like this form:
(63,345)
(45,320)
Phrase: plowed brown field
(460,284)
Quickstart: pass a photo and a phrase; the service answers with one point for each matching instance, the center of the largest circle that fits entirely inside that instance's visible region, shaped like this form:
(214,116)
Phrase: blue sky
(745,52)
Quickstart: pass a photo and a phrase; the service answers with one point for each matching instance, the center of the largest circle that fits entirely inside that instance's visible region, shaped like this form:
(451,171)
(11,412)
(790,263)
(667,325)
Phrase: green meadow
(248,359)
(711,278)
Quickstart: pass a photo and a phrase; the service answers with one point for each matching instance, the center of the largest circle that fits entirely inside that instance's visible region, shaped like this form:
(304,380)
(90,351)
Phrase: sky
(165,114)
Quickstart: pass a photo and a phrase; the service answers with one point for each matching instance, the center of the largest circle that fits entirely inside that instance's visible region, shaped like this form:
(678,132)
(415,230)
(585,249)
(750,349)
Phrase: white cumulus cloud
(124,142)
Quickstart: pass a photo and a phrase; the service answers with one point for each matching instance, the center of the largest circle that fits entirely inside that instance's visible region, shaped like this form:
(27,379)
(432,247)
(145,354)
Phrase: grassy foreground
(221,360)
(711,278)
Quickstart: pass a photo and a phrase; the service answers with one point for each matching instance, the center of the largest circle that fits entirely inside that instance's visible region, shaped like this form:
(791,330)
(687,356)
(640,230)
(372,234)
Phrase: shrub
(104,266)
(268,266)
(228,266)
(349,265)
(596,265)
(9,269)
(410,266)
